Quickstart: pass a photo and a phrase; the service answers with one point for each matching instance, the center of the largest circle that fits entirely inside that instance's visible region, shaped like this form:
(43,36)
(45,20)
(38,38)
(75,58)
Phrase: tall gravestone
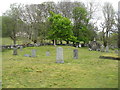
(33,53)
(59,55)
(75,53)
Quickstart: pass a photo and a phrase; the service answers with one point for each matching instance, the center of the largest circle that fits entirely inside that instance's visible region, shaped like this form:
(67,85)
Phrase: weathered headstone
(21,48)
(75,53)
(102,48)
(59,55)
(33,53)
(27,55)
(15,51)
(47,53)
(107,49)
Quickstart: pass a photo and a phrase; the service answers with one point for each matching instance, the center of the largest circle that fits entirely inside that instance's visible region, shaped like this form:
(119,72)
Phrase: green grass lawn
(89,71)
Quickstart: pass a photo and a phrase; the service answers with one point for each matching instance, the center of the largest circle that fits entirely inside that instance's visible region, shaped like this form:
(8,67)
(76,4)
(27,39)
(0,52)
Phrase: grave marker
(59,55)
(75,53)
(27,55)
(33,53)
(47,53)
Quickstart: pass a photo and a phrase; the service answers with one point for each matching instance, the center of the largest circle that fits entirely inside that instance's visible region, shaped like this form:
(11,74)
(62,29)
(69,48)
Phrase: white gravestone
(33,53)
(59,55)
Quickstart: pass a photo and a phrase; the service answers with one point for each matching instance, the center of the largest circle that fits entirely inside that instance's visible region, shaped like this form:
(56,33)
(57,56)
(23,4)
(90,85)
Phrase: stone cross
(59,55)
(33,53)
(75,53)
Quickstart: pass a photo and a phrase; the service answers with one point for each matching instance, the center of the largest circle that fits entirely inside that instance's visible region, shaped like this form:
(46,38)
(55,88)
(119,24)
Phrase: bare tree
(109,20)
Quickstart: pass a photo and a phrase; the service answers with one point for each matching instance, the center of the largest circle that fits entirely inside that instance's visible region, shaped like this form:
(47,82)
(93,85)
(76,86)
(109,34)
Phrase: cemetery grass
(89,71)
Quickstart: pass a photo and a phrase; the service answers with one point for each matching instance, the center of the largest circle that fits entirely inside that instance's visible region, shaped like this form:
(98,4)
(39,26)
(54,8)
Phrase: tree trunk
(60,41)
(67,42)
(54,42)
(14,41)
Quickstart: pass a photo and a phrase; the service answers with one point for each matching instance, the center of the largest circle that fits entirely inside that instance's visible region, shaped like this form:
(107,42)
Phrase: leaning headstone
(102,48)
(107,49)
(33,53)
(59,55)
(47,53)
(75,53)
(15,51)
(27,55)
(21,48)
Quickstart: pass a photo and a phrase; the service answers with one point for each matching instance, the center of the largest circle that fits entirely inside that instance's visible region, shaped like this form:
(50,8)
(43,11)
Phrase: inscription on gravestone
(33,53)
(75,53)
(59,55)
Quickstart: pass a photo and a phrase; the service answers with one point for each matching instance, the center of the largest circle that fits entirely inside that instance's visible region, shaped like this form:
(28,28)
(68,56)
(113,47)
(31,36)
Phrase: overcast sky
(5,4)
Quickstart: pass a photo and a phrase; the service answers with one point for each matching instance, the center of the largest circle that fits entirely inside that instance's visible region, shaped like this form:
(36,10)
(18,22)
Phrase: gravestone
(94,45)
(47,53)
(107,49)
(102,48)
(21,48)
(59,55)
(75,53)
(15,50)
(27,55)
(33,53)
